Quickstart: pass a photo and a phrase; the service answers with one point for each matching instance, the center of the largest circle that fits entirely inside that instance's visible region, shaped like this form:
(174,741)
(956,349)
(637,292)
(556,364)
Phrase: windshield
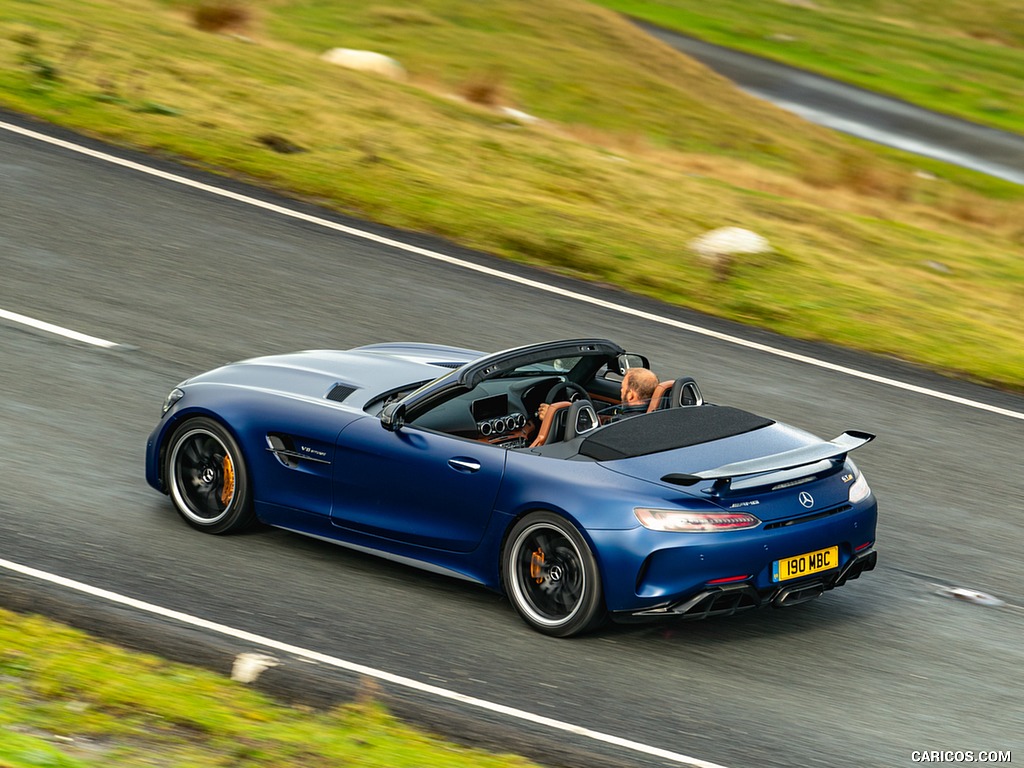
(558,366)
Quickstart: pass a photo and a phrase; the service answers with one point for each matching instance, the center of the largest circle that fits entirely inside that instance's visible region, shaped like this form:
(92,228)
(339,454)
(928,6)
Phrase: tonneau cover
(667,430)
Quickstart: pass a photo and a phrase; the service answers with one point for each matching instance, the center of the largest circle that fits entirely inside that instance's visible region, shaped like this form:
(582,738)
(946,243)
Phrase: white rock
(727,241)
(248,666)
(517,114)
(365,61)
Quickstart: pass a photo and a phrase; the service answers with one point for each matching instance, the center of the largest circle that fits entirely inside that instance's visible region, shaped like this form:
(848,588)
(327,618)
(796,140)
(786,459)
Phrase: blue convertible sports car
(436,457)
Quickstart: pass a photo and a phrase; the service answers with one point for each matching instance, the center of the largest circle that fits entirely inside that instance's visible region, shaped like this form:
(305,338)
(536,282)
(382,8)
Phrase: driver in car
(638,387)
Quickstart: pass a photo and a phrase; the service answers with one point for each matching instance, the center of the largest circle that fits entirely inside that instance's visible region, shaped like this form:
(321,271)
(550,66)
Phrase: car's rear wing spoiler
(798,457)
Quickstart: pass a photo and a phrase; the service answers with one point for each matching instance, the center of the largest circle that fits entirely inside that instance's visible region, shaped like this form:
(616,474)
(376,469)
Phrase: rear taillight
(684,521)
(860,489)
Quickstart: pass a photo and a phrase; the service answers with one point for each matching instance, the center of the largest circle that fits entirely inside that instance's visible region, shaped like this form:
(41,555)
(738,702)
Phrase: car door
(414,485)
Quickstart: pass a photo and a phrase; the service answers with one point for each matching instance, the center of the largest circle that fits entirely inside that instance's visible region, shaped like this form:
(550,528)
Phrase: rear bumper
(735,598)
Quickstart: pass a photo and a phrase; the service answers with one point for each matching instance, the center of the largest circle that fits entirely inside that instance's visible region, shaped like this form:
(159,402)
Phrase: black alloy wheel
(208,478)
(551,576)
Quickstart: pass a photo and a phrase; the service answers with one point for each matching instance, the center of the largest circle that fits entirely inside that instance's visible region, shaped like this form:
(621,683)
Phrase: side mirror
(393,416)
(626,362)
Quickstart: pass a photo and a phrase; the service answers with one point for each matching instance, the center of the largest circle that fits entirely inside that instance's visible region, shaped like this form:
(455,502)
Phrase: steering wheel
(573,392)
(571,388)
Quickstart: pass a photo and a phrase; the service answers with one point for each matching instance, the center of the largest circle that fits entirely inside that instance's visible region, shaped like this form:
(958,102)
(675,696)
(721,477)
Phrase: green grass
(640,150)
(962,57)
(69,701)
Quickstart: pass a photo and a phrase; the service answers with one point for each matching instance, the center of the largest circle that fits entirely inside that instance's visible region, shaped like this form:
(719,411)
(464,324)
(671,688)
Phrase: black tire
(551,576)
(207,477)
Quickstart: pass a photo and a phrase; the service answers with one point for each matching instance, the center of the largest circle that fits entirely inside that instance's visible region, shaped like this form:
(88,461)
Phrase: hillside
(635,151)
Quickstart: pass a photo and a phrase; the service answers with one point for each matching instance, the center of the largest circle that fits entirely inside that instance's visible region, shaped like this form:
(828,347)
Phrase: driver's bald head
(640,382)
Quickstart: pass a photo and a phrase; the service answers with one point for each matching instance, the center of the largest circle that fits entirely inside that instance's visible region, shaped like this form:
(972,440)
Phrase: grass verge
(637,151)
(69,701)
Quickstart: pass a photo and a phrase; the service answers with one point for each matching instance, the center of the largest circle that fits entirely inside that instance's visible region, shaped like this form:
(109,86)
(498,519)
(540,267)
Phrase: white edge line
(51,328)
(358,669)
(621,308)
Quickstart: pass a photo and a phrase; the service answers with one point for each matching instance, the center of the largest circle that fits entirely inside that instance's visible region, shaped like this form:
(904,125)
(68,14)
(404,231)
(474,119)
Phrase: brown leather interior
(659,392)
(549,420)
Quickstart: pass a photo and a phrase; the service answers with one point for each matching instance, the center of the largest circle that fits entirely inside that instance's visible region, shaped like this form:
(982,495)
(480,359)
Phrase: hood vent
(340,392)
(453,366)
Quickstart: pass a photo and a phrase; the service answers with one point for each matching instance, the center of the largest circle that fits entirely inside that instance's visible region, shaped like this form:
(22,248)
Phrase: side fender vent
(340,392)
(284,451)
(290,454)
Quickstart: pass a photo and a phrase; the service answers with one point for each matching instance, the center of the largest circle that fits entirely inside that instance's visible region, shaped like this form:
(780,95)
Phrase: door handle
(460,464)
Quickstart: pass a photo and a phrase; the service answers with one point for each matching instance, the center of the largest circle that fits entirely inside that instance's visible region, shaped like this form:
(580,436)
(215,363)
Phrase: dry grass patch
(221,16)
(485,88)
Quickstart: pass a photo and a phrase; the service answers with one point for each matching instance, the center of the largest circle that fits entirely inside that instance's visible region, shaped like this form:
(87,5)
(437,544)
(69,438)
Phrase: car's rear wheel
(551,576)
(208,478)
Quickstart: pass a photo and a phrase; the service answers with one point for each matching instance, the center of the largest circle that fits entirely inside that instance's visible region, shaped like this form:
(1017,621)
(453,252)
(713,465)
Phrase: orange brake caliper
(537,565)
(227,491)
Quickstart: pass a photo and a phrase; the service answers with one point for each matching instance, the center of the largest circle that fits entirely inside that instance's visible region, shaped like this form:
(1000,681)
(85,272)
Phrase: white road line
(436,256)
(359,669)
(51,328)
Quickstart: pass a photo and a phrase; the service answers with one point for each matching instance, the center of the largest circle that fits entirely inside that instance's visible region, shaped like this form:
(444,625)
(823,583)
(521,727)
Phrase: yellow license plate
(805,565)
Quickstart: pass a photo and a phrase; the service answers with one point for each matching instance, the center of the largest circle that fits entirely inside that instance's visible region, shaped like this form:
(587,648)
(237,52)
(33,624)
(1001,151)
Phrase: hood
(355,376)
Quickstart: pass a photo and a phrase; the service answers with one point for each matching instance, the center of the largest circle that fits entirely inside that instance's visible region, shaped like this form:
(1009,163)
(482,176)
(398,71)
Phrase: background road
(186,281)
(861,113)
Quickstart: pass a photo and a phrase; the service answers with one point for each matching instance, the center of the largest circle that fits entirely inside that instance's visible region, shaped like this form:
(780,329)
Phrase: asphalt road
(861,113)
(183,280)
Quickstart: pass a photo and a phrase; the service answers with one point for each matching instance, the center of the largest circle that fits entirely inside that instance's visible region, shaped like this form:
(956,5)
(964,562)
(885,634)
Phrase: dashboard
(494,417)
(499,412)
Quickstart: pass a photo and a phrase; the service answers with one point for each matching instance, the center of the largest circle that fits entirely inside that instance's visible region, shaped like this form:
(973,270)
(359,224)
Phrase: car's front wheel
(207,476)
(551,576)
